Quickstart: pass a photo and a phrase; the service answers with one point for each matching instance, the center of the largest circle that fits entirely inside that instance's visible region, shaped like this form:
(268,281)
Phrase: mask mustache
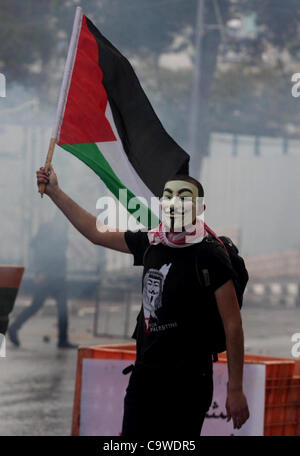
(173,210)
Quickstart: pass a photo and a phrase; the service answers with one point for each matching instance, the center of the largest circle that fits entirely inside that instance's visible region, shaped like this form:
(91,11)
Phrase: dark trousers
(49,287)
(166,403)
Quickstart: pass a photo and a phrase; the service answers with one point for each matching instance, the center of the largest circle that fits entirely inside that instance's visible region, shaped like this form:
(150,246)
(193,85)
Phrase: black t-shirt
(173,323)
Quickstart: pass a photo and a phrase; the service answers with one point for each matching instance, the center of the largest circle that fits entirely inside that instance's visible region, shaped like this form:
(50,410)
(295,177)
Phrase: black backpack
(216,333)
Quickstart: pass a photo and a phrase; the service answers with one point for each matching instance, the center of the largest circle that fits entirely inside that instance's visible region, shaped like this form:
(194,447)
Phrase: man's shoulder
(211,252)
(215,259)
(210,246)
(137,242)
(138,236)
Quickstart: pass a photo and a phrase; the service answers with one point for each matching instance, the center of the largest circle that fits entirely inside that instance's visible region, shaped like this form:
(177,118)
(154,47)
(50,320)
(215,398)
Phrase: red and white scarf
(183,239)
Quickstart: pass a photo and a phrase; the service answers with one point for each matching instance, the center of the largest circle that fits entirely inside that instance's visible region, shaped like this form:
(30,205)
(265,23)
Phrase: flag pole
(64,89)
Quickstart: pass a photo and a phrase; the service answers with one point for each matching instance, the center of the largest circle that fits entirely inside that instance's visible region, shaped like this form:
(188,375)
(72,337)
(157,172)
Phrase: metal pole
(196,101)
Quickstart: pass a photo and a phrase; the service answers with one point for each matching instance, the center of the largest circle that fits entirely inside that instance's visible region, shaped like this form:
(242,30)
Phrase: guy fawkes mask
(179,204)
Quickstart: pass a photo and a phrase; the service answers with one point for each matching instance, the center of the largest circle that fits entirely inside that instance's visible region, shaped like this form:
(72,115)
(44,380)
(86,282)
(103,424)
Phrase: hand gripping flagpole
(64,89)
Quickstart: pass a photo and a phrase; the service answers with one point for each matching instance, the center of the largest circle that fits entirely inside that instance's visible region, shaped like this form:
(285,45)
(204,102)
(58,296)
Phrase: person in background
(49,265)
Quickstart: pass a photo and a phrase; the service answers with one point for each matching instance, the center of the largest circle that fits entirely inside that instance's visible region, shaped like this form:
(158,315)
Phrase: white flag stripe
(115,155)
(68,71)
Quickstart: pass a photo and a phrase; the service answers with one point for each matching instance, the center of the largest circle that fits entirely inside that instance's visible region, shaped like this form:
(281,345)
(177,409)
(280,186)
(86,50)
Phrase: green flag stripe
(91,155)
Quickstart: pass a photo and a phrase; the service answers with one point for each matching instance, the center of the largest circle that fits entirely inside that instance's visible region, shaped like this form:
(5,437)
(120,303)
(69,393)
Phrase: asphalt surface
(37,380)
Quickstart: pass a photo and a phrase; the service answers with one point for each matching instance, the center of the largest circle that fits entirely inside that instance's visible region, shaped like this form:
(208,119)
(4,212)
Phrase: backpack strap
(128,369)
(202,273)
(215,357)
(204,281)
(213,234)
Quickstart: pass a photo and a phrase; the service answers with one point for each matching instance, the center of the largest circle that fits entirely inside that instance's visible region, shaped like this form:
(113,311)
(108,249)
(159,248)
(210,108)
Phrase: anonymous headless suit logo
(152,292)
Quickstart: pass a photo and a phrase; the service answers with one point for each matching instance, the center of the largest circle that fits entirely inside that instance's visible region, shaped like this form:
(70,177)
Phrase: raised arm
(86,223)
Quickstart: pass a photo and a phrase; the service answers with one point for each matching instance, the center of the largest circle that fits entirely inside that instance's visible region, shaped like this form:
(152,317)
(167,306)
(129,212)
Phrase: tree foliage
(234,95)
(30,34)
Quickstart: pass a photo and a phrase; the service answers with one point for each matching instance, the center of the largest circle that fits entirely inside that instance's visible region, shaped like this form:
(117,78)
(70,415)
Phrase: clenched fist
(50,179)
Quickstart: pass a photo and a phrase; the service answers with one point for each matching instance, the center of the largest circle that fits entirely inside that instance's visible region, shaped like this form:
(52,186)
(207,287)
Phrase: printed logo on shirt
(152,297)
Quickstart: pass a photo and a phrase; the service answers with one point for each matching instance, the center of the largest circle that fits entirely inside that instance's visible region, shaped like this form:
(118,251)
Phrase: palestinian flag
(10,280)
(107,122)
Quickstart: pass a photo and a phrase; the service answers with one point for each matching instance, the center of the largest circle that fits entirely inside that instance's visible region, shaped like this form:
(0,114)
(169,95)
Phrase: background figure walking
(49,248)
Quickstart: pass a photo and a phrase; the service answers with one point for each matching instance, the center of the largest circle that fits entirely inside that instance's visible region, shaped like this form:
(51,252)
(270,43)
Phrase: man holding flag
(105,119)
(171,387)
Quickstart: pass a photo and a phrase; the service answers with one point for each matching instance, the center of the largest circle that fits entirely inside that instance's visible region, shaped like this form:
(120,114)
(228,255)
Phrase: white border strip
(114,153)
(64,89)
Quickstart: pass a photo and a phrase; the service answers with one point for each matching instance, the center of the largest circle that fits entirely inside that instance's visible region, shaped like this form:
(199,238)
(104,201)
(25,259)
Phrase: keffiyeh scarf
(178,240)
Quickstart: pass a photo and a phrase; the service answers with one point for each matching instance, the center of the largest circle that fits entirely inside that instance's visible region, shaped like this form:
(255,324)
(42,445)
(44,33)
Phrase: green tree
(35,34)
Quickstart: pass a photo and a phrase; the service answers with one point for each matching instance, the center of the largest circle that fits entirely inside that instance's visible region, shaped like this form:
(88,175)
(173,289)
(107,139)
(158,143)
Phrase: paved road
(268,331)
(37,380)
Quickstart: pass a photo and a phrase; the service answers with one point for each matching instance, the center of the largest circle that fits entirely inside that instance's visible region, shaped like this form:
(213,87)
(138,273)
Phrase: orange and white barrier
(10,280)
(272,387)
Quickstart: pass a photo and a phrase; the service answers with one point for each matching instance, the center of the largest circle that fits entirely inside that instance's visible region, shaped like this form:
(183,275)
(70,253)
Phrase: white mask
(180,205)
